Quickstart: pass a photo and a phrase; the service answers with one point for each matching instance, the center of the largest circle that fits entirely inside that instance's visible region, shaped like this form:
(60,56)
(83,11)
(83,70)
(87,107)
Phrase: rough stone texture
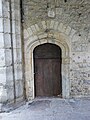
(11,81)
(66,24)
(44,18)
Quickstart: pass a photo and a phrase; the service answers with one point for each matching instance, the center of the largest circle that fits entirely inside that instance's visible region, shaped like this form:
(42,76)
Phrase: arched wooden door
(47,69)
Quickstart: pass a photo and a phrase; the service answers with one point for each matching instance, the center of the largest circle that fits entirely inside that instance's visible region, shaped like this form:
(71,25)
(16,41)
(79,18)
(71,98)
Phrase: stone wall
(64,23)
(44,19)
(2,58)
(11,77)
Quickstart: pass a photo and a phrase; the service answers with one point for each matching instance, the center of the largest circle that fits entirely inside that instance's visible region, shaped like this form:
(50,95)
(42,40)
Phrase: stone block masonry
(53,18)
(60,22)
(11,81)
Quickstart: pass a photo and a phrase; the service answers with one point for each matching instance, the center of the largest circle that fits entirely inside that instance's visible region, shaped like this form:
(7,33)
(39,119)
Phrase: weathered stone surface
(7,40)
(1,24)
(1,6)
(19,88)
(8,55)
(51,13)
(66,24)
(3,94)
(2,75)
(10,49)
(7,25)
(72,20)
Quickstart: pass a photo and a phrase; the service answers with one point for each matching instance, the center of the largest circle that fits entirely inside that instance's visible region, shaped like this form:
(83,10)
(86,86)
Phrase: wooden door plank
(47,62)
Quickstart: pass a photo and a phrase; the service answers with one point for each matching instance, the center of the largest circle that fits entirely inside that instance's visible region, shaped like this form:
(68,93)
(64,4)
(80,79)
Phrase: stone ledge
(11,106)
(0,107)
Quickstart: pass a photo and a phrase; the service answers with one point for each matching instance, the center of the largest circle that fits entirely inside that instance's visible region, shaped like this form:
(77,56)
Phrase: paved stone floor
(51,109)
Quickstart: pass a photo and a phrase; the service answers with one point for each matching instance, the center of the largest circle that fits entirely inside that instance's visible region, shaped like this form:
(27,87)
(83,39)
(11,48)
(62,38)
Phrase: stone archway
(30,66)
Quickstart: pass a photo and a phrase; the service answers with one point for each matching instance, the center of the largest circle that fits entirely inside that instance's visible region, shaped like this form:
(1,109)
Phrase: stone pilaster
(17,50)
(3,91)
(11,82)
